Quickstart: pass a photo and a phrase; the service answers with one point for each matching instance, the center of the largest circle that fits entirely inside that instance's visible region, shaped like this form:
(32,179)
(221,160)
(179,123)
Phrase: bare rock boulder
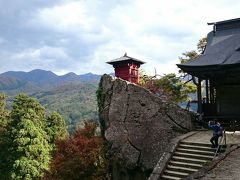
(138,126)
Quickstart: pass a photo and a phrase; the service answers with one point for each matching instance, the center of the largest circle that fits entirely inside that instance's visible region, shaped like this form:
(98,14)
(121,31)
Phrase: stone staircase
(188,158)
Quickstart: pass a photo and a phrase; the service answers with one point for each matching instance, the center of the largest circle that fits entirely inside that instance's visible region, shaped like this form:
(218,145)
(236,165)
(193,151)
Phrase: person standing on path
(215,126)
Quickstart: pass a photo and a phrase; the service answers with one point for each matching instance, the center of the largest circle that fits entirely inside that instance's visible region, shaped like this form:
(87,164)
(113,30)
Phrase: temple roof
(222,50)
(125,58)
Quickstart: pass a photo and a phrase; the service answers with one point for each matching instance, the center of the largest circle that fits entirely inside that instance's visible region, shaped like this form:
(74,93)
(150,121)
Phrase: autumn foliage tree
(81,156)
(168,87)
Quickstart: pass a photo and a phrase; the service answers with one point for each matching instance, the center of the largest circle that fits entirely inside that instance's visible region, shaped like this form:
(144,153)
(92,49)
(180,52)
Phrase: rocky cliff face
(138,126)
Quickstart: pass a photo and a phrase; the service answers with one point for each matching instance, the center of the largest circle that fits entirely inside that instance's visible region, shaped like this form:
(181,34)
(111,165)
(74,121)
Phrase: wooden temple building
(219,67)
(127,68)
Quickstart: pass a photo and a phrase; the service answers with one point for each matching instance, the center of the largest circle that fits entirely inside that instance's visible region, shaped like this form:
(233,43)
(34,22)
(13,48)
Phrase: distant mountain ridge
(38,77)
(72,95)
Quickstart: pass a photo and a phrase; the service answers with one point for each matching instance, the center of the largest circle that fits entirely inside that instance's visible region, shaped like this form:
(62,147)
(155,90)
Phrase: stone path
(204,137)
(228,169)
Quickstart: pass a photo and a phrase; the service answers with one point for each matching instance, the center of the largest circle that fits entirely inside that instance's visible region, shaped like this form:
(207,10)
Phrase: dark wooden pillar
(199,96)
(211,93)
(207,91)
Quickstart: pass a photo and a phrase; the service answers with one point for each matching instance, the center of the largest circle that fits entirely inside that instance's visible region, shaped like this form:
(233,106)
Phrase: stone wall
(138,126)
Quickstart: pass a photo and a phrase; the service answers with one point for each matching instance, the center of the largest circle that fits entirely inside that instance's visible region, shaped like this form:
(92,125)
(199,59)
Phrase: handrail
(223,139)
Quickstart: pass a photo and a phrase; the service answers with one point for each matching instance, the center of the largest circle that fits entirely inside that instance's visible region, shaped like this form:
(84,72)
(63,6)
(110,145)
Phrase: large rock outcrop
(138,126)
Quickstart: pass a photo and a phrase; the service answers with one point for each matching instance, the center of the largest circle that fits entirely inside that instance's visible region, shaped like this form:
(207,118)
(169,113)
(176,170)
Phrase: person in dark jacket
(215,126)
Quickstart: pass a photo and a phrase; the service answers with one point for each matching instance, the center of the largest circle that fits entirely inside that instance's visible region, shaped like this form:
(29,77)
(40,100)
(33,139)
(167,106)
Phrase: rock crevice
(179,125)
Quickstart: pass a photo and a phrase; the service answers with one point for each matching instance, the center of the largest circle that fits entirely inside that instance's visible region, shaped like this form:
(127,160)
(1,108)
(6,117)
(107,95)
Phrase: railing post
(225,138)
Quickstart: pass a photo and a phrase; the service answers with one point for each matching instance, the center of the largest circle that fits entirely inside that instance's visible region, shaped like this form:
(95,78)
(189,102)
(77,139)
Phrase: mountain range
(13,80)
(72,95)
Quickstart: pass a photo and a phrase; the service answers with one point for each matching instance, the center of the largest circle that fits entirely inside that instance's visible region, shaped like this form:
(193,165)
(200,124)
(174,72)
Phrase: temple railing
(222,142)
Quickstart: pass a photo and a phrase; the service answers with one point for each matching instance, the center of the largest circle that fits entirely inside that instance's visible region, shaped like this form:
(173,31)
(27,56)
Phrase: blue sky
(81,35)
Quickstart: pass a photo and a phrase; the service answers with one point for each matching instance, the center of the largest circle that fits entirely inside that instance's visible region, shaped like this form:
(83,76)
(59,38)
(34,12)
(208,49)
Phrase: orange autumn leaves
(81,156)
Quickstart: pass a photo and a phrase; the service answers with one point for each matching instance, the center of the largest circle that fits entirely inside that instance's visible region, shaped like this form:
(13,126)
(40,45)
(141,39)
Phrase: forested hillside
(73,96)
(76,102)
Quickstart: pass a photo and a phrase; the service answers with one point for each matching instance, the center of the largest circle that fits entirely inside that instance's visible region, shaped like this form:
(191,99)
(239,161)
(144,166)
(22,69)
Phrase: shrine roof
(222,50)
(125,58)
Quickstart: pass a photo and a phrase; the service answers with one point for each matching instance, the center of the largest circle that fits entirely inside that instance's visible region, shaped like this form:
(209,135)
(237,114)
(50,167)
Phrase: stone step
(209,145)
(189,146)
(184,164)
(196,151)
(197,144)
(189,160)
(170,177)
(181,169)
(194,156)
(186,146)
(175,173)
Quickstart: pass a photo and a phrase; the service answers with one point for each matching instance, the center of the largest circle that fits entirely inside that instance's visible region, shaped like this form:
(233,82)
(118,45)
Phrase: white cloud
(81,36)
(65,16)
(45,52)
(49,58)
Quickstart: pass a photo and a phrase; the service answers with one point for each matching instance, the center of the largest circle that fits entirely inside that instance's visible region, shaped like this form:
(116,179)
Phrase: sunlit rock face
(138,126)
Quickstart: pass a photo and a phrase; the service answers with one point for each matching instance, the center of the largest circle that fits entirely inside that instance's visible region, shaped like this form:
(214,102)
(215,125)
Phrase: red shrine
(127,68)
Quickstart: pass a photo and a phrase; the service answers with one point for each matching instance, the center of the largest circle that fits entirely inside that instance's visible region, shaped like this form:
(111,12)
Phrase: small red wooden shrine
(127,68)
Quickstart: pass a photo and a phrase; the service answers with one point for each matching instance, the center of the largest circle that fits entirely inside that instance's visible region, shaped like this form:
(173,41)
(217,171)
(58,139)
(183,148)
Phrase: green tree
(26,138)
(30,149)
(4,139)
(191,55)
(169,87)
(4,114)
(56,127)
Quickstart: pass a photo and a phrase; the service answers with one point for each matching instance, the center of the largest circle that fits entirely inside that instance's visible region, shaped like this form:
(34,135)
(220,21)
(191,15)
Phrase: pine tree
(3,112)
(30,149)
(56,127)
(4,139)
